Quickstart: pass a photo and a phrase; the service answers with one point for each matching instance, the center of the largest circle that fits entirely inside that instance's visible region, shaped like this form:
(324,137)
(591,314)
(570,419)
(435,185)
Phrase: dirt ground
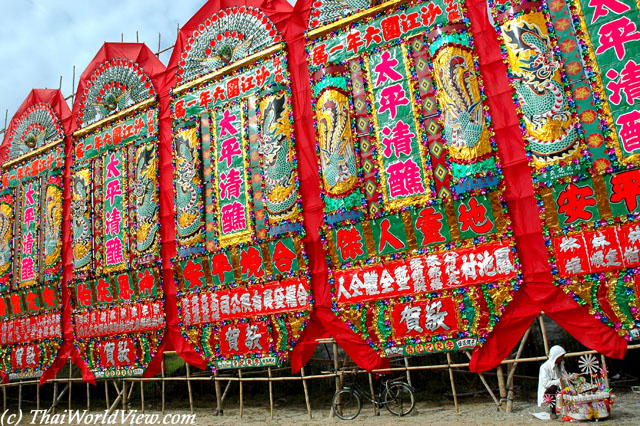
(626,411)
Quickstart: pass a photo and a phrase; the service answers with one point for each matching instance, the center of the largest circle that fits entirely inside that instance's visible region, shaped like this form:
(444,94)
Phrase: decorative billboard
(118,302)
(571,64)
(240,267)
(416,229)
(31,236)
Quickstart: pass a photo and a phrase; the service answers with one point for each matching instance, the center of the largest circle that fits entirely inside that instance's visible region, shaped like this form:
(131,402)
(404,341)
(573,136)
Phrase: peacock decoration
(229,35)
(535,72)
(327,11)
(37,126)
(115,85)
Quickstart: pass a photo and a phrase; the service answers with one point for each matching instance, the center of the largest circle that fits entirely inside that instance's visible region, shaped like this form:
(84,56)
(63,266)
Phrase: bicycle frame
(373,398)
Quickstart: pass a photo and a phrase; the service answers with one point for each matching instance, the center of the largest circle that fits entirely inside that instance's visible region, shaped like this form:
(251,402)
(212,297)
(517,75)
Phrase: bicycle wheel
(398,398)
(346,404)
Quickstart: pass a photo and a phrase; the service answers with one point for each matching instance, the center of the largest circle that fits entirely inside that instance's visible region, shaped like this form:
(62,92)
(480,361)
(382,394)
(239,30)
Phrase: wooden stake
(306,392)
(543,329)
(453,384)
(20,397)
(88,398)
(375,408)
(121,395)
(218,396)
(241,401)
(189,387)
(38,397)
(124,395)
(270,392)
(56,400)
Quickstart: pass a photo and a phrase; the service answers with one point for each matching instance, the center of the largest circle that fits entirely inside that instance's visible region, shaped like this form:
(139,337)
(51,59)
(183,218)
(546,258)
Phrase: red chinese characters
(573,202)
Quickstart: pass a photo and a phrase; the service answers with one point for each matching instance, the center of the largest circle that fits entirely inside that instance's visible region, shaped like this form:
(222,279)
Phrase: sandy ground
(625,412)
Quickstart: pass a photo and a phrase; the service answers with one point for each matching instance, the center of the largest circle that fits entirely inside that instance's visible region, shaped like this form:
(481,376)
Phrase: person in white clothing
(553,376)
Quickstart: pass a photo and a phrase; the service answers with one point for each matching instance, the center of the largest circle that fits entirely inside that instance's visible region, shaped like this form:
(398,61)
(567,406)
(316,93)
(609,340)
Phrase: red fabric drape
(538,292)
(55,99)
(147,60)
(291,23)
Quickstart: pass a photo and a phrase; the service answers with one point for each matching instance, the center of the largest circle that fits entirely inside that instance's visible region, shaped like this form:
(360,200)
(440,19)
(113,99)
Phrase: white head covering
(547,375)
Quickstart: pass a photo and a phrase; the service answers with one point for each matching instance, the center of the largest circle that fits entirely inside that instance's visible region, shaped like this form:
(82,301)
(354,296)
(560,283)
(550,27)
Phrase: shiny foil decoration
(551,130)
(337,154)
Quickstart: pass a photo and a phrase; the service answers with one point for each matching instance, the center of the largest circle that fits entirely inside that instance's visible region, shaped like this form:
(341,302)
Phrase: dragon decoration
(551,133)
(189,216)
(146,200)
(81,218)
(277,153)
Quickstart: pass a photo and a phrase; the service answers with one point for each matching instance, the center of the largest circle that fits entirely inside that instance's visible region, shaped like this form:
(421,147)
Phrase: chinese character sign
(243,284)
(31,237)
(410,180)
(115,219)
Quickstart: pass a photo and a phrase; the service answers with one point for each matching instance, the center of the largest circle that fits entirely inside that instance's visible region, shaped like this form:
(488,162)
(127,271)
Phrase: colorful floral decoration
(31,243)
(241,270)
(118,304)
(417,233)
(571,63)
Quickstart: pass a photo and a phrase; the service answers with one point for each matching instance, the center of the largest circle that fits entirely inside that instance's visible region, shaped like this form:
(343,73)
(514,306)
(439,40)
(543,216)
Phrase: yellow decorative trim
(407,220)
(120,114)
(550,214)
(229,68)
(602,197)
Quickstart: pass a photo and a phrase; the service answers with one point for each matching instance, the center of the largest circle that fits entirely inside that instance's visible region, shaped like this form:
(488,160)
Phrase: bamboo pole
(270,392)
(543,329)
(604,368)
(106,393)
(162,381)
(4,398)
(70,365)
(453,383)
(38,397)
(486,385)
(373,395)
(406,364)
(20,397)
(216,384)
(189,387)
(512,370)
(88,398)
(502,387)
(241,395)
(335,370)
(57,399)
(120,396)
(54,402)
(141,396)
(306,392)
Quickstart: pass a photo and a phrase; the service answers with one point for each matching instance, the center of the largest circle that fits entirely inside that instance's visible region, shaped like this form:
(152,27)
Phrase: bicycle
(394,394)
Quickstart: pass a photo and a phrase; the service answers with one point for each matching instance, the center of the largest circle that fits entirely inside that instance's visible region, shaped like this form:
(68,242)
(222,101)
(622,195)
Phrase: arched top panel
(36,127)
(115,84)
(226,37)
(324,12)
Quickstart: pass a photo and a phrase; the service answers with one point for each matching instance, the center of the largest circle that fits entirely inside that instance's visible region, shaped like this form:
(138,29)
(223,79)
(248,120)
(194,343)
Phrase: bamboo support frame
(126,390)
